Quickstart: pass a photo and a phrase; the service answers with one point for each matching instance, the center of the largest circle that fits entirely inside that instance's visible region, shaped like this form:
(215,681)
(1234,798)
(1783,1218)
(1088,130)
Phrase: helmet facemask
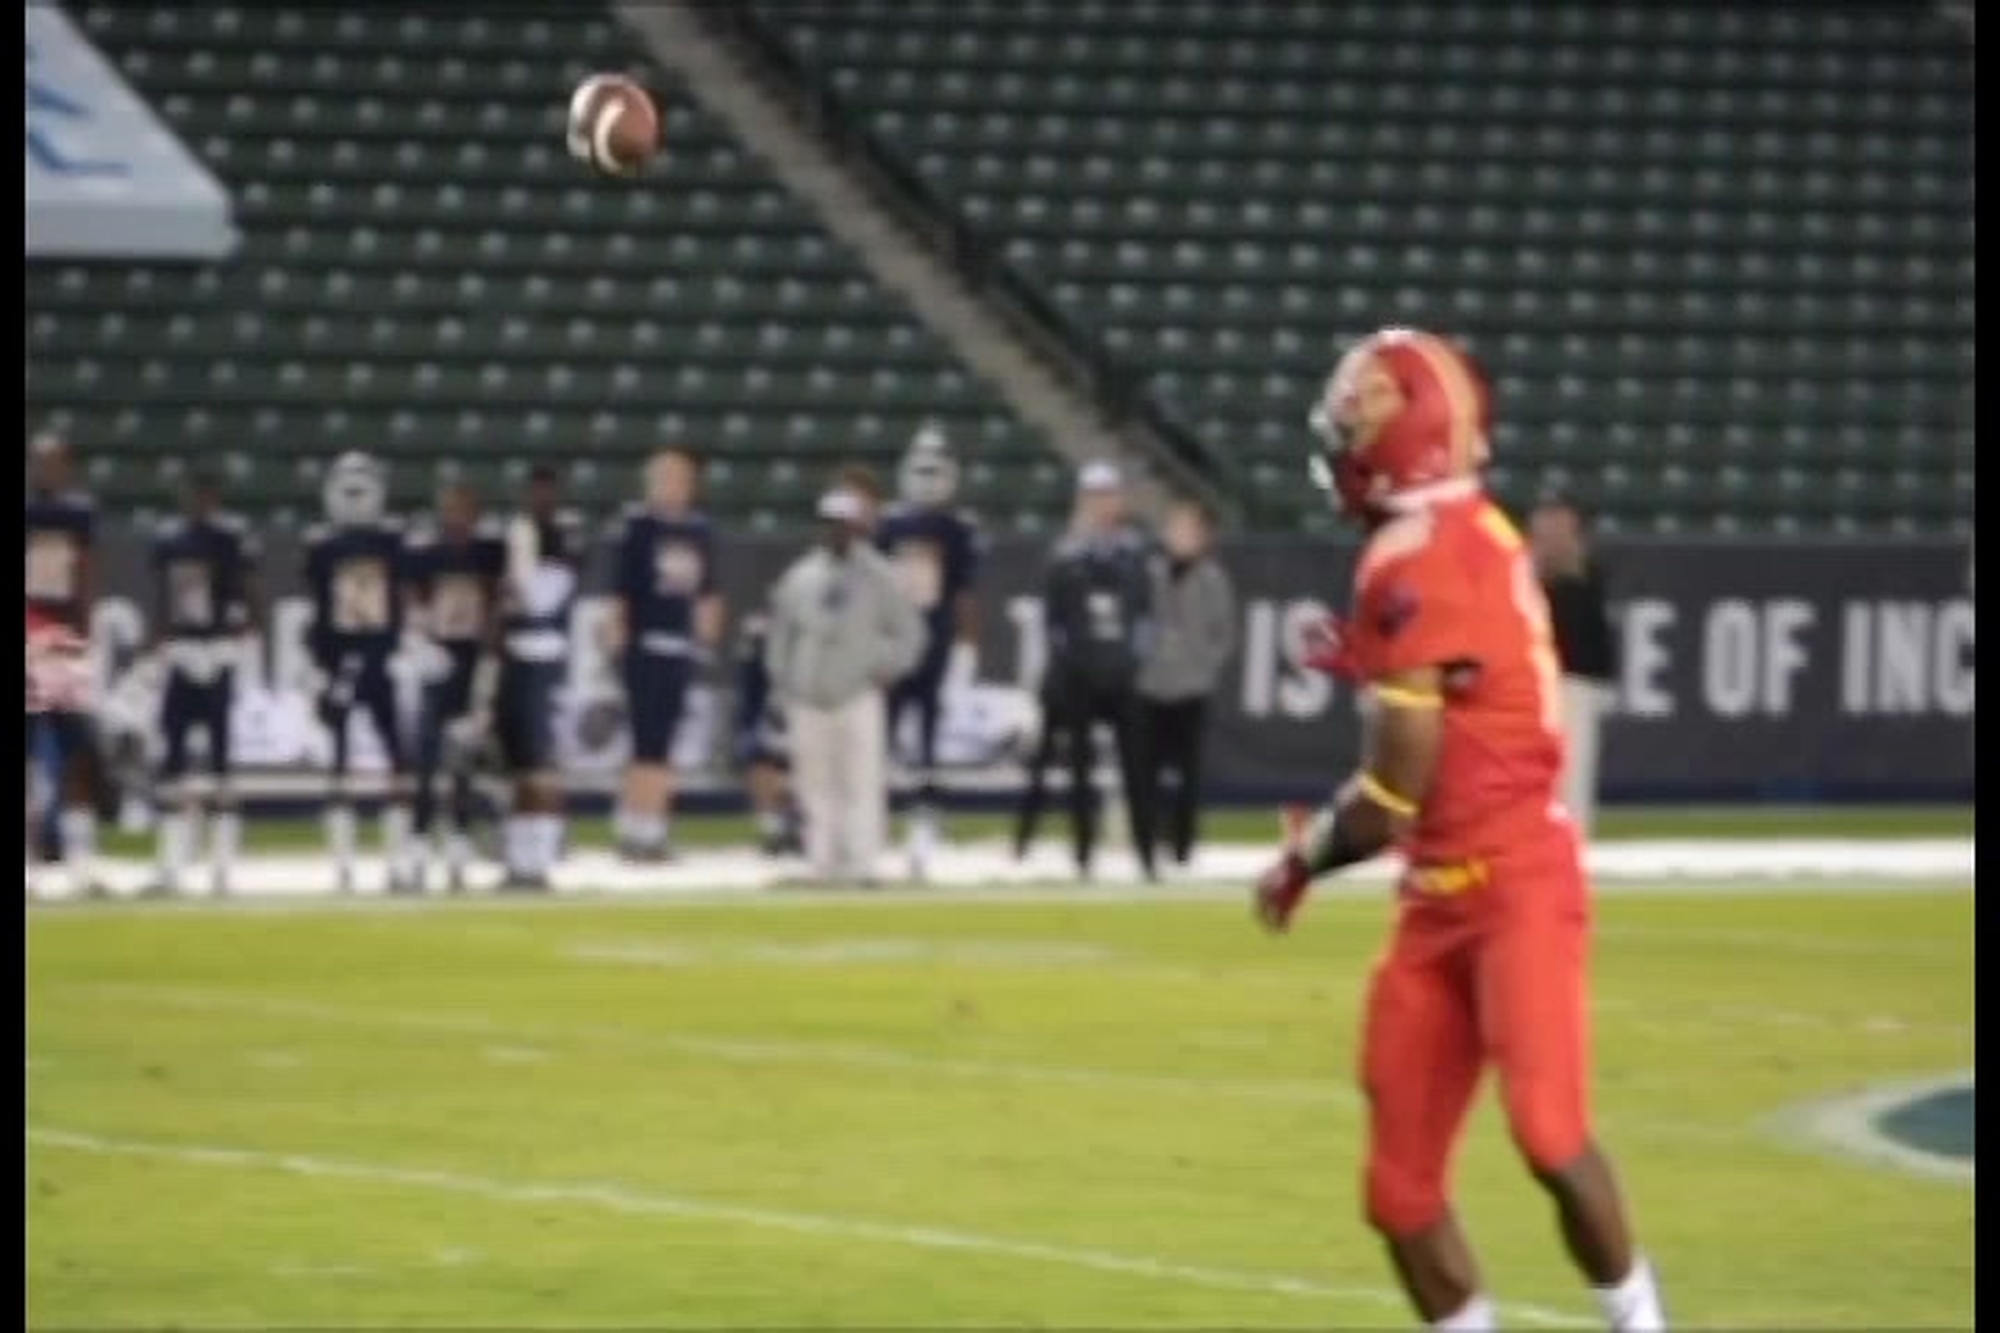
(1361,397)
(928,475)
(356,491)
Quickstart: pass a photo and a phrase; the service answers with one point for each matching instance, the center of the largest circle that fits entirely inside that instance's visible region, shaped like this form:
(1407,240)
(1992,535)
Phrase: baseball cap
(1098,476)
(840,505)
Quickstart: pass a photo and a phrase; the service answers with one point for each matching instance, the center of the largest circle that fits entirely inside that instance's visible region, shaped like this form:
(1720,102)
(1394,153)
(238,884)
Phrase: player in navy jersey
(354,576)
(453,573)
(544,553)
(61,530)
(760,745)
(936,549)
(205,598)
(669,622)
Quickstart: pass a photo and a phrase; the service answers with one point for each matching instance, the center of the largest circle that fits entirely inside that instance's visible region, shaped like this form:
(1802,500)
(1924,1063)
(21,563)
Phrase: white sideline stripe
(1046,893)
(1331,1093)
(1679,866)
(621,1199)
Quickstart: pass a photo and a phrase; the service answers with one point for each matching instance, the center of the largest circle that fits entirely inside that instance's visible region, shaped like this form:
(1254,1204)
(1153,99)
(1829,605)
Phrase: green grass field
(792,1112)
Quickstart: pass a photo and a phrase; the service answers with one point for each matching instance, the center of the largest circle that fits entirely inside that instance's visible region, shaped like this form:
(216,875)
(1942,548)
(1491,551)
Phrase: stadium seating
(1719,260)
(427,274)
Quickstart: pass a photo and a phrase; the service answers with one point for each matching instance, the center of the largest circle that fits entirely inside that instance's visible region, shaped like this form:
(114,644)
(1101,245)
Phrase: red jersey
(1452,586)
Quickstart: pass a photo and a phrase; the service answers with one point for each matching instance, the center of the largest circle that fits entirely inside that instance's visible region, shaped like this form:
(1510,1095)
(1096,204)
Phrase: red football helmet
(1402,410)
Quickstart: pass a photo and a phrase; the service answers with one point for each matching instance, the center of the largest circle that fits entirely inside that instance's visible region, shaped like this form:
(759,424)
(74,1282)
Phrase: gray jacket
(1196,618)
(840,627)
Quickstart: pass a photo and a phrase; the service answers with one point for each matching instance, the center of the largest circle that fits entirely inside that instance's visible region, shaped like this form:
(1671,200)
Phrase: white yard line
(1811,943)
(735,1050)
(620,1198)
(1331,1093)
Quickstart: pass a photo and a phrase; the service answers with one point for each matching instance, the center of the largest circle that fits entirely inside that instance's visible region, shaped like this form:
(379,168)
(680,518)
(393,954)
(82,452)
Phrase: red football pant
(1497,977)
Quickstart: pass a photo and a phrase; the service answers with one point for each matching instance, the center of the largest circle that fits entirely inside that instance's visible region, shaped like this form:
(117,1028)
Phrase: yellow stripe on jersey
(1398,697)
(1500,528)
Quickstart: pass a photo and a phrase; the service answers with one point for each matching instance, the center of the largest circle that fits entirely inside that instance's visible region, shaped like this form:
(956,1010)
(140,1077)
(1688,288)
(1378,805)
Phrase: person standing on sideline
(842,632)
(935,547)
(1586,649)
(1097,605)
(669,623)
(1195,608)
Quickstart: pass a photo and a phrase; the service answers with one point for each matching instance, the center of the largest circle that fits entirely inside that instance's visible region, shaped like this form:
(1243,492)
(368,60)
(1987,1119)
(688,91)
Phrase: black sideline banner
(1776,670)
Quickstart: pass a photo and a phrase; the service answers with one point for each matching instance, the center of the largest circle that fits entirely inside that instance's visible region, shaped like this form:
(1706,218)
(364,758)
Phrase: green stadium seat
(425,273)
(1735,237)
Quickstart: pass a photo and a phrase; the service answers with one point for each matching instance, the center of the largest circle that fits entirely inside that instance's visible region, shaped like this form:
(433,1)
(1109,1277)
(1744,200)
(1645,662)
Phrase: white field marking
(1847,1125)
(1332,1093)
(1708,1019)
(1787,941)
(452,1256)
(1702,1020)
(1728,866)
(619,1198)
(735,1050)
(514,1055)
(845,951)
(737,898)
(320,1270)
(276,1059)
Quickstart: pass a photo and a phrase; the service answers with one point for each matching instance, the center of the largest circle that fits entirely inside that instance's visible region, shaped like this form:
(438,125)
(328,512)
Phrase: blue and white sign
(106,178)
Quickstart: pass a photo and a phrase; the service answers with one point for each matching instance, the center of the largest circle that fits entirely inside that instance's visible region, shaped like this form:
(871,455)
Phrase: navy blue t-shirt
(458,579)
(665,566)
(936,554)
(61,527)
(354,576)
(202,569)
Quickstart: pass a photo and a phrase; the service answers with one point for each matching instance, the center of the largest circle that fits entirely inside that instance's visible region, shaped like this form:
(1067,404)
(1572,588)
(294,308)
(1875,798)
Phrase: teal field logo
(1925,1127)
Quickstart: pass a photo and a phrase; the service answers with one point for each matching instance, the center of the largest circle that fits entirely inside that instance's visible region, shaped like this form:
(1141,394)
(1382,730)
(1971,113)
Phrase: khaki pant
(840,773)
(1583,705)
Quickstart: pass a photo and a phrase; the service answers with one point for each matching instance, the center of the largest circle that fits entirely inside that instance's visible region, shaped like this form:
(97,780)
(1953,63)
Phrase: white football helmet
(928,474)
(356,489)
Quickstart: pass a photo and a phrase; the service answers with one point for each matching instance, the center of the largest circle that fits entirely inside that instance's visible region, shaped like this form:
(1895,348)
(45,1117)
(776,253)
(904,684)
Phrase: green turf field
(792,1112)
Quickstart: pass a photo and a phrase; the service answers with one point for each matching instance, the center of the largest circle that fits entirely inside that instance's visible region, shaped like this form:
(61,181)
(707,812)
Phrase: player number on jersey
(51,566)
(458,608)
(188,586)
(922,574)
(361,597)
(677,569)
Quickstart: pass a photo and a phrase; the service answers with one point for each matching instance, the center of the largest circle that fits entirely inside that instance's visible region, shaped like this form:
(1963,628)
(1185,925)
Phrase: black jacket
(1581,619)
(1097,607)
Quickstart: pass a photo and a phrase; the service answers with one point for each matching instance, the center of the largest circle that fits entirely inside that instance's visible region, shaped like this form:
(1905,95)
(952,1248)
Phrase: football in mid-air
(614,125)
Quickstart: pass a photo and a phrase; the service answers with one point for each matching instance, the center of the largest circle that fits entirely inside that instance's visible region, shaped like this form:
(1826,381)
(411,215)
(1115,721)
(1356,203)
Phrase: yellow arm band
(1398,697)
(1371,787)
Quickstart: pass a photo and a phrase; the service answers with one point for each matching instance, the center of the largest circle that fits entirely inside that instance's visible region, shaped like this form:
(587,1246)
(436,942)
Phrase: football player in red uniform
(1448,638)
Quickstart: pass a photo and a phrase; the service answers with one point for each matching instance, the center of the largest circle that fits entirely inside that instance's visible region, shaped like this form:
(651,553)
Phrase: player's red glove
(1283,887)
(1327,649)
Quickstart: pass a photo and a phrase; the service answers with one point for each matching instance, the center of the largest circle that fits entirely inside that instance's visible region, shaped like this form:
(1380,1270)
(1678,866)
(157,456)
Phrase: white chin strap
(1433,493)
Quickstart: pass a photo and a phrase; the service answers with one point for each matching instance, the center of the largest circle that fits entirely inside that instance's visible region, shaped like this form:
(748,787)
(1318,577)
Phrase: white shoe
(921,846)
